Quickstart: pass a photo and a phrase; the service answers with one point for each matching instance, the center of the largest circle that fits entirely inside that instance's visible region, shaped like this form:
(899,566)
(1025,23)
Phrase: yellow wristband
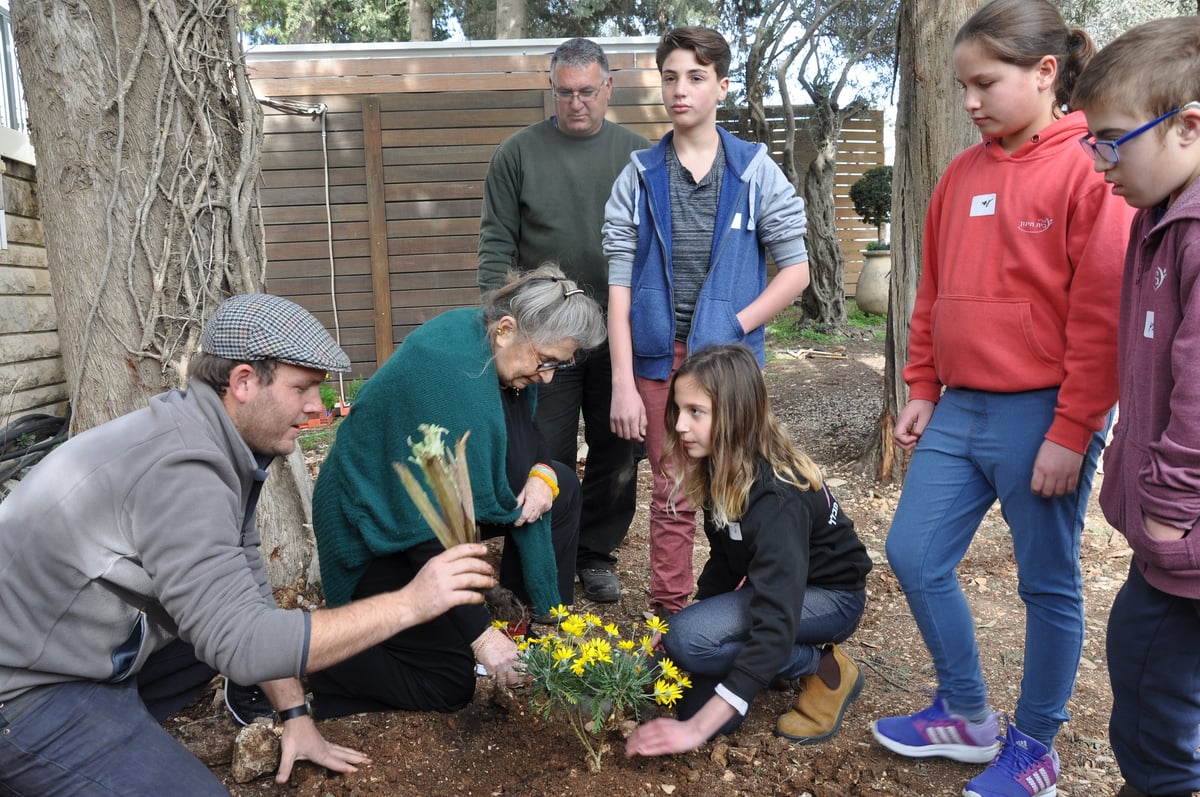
(551,482)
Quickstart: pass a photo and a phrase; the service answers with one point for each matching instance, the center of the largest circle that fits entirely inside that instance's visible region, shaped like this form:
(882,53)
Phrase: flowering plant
(588,672)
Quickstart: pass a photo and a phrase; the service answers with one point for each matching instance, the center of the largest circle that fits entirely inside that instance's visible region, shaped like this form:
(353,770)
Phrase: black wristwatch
(302,710)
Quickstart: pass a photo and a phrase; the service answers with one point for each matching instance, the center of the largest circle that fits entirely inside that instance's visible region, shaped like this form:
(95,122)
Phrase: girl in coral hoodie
(1012,378)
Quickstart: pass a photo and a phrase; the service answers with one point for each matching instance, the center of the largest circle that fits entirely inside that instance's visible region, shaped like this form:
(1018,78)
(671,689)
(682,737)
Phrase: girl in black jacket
(786,575)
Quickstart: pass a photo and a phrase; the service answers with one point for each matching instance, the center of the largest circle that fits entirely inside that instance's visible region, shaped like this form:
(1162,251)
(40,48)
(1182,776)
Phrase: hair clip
(567,294)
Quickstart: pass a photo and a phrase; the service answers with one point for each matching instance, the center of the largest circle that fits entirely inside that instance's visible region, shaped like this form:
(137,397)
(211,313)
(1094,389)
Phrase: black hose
(45,432)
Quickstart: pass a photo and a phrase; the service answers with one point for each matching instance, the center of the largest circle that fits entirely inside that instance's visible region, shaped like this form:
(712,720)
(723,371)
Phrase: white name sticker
(737,222)
(983,205)
(1148,329)
(735,530)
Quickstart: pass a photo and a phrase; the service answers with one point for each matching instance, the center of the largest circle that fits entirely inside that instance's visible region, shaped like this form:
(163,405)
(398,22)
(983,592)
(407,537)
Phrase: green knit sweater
(443,374)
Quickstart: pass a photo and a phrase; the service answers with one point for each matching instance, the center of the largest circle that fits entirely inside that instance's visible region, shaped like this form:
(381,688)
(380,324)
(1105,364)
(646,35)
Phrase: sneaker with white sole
(1024,768)
(937,732)
(246,703)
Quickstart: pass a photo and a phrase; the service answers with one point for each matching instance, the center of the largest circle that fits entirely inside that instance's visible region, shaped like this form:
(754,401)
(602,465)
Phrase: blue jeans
(89,738)
(980,447)
(706,637)
(1154,668)
(609,485)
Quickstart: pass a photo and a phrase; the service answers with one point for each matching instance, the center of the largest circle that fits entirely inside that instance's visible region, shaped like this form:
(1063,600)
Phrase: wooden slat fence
(405,142)
(31,370)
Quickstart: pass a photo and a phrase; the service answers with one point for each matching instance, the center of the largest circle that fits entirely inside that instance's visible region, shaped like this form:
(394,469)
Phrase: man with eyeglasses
(543,200)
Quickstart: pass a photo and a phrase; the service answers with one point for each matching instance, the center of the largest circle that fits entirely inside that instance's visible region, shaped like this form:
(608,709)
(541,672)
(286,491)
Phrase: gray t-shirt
(693,218)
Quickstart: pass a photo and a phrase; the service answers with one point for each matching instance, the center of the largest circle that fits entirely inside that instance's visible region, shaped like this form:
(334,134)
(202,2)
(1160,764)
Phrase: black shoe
(1130,791)
(246,703)
(599,584)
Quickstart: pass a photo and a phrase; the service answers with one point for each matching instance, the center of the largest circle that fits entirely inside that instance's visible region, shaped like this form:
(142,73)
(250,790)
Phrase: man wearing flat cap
(130,574)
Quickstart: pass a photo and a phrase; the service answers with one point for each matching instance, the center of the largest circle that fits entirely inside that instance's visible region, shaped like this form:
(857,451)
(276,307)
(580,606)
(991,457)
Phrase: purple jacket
(1153,464)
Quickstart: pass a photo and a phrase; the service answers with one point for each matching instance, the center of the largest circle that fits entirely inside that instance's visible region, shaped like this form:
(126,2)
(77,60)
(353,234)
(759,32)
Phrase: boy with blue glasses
(1151,490)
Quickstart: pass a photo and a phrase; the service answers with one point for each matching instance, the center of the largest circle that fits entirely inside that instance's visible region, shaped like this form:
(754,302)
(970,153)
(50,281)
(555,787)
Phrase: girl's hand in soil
(498,655)
(535,500)
(303,742)
(664,735)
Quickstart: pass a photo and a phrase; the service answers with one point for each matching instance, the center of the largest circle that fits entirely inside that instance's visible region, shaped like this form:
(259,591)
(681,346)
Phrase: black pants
(430,667)
(172,678)
(610,476)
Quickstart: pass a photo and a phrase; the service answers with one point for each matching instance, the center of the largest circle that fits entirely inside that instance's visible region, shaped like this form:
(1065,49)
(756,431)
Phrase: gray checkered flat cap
(259,326)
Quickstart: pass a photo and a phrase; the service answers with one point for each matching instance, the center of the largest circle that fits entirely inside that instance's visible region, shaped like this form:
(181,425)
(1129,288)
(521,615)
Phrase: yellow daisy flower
(666,693)
(574,625)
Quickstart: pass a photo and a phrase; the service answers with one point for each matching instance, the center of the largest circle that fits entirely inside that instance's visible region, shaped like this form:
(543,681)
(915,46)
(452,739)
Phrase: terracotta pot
(320,420)
(871,295)
(517,628)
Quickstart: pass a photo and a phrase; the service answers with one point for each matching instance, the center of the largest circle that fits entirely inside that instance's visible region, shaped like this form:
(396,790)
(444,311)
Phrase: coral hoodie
(1021,279)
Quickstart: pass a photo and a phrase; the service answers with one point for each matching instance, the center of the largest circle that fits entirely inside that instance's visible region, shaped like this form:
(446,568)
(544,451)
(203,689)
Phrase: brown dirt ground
(497,746)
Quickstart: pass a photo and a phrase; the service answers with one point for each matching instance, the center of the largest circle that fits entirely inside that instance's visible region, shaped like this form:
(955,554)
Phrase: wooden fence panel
(31,368)
(376,203)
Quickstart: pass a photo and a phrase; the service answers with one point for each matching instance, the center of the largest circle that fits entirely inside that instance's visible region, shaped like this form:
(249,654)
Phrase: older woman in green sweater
(476,370)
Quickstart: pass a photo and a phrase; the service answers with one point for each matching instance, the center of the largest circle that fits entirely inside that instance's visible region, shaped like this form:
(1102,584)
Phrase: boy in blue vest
(686,233)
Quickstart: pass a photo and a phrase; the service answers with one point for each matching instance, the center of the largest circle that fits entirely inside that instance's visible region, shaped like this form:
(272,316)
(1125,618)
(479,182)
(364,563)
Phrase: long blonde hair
(744,430)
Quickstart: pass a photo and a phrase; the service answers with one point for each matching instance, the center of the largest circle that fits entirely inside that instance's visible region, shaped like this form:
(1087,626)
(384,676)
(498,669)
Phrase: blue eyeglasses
(1107,148)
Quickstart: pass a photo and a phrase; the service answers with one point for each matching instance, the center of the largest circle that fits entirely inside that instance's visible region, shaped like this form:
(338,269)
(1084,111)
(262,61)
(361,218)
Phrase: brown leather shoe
(817,715)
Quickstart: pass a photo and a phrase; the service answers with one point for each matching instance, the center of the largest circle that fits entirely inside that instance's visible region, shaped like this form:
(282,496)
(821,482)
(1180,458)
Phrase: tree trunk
(824,300)
(420,21)
(148,137)
(930,129)
(511,20)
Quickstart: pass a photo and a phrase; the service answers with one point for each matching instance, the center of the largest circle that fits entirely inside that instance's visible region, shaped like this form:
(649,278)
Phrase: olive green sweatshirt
(543,200)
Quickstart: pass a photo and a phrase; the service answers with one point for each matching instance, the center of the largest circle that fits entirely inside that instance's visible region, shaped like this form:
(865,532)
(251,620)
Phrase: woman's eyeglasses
(548,365)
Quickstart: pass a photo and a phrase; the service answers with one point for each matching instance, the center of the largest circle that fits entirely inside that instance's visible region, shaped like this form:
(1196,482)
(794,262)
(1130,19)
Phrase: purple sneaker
(1024,768)
(937,732)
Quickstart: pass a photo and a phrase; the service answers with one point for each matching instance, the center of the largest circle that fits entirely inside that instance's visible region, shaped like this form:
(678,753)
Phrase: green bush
(329,396)
(872,198)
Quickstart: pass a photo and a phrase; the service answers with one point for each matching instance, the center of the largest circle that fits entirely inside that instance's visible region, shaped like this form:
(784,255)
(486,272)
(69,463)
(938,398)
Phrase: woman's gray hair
(548,307)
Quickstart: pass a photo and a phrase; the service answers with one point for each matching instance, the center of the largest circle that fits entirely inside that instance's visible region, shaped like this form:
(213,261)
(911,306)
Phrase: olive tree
(931,128)
(147,135)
